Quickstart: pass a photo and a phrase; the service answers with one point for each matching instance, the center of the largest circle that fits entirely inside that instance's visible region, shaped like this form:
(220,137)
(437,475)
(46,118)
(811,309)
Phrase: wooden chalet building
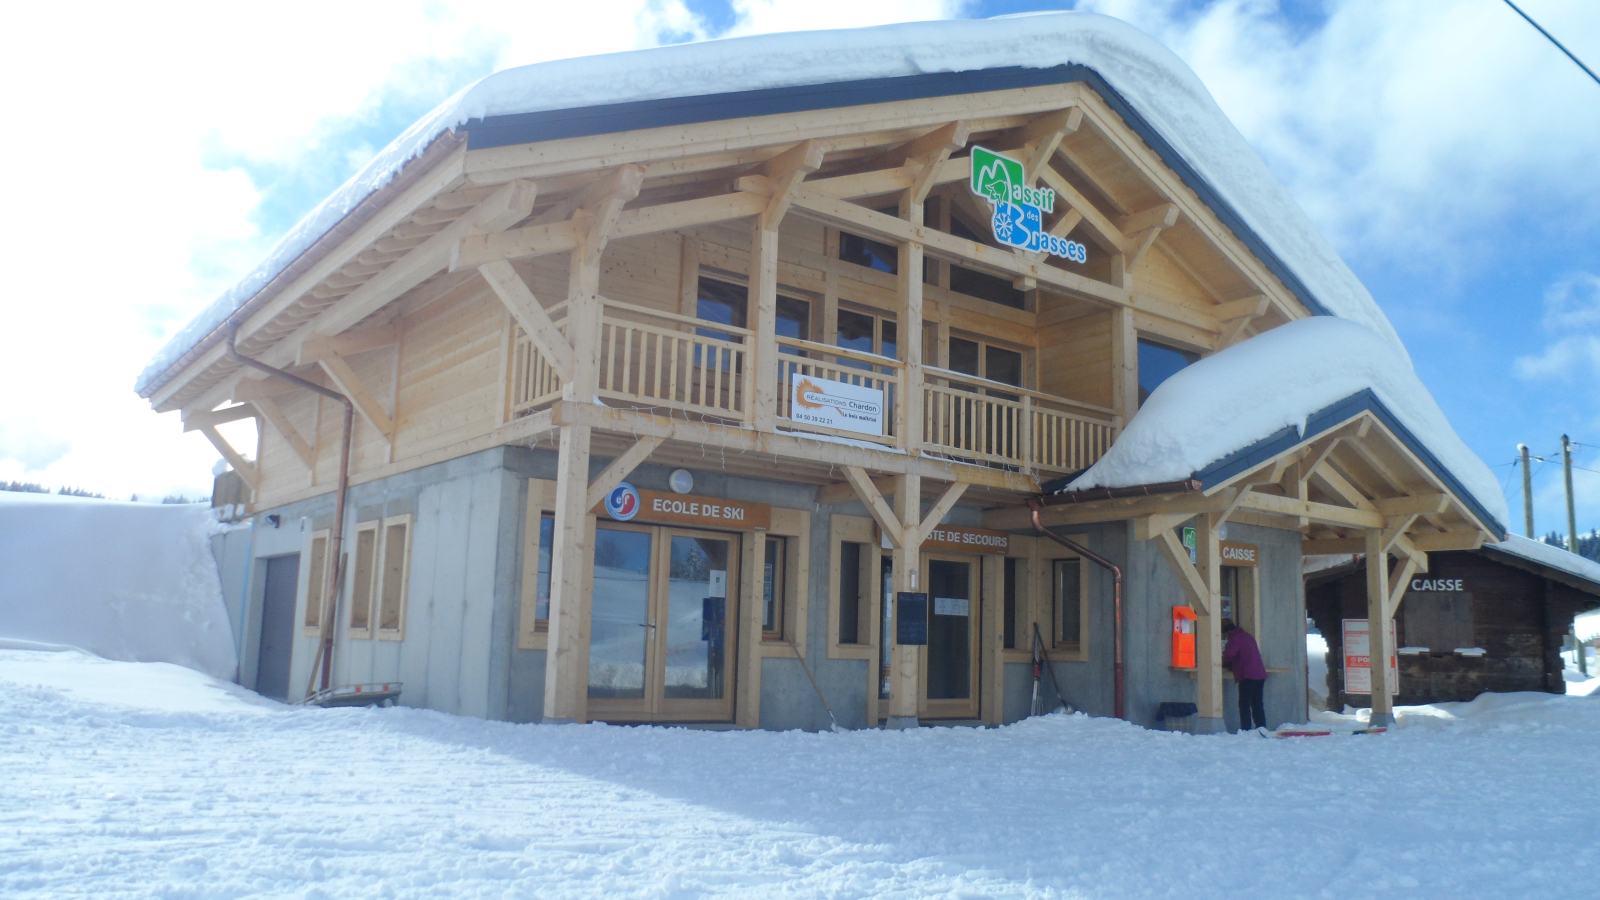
(790,281)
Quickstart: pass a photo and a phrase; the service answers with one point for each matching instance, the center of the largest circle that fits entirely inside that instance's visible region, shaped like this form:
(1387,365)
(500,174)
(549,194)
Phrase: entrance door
(277,626)
(950,665)
(661,634)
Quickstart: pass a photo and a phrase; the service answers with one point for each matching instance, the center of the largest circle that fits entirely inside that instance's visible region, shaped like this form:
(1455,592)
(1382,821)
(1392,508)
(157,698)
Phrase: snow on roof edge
(1552,557)
(1149,76)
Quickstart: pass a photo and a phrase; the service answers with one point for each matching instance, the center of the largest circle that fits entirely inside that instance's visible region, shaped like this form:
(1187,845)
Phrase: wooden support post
(1208,628)
(905,661)
(763,305)
(246,470)
(1380,647)
(1124,367)
(525,307)
(566,668)
(747,648)
(908,412)
(619,469)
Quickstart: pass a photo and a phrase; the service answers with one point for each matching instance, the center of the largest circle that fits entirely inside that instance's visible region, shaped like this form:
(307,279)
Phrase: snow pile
(1554,557)
(1160,87)
(1587,626)
(237,798)
(128,581)
(1250,391)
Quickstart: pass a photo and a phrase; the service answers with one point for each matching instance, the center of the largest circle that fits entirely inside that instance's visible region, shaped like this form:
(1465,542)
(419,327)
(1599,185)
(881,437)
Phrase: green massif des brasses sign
(1018,218)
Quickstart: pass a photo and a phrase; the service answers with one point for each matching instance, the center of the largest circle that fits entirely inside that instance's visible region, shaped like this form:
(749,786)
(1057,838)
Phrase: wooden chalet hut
(1491,619)
(680,378)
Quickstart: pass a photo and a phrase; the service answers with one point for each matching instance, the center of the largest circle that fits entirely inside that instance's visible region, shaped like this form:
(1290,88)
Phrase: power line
(1552,39)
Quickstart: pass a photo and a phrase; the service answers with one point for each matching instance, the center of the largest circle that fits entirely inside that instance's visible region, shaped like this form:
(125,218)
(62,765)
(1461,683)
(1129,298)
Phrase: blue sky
(1444,148)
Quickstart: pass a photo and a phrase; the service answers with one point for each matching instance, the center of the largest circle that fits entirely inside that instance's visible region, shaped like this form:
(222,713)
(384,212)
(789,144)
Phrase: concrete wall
(231,550)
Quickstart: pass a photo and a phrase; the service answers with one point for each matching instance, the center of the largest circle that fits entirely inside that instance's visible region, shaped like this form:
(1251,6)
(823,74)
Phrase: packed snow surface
(128,581)
(1587,626)
(1250,391)
(140,780)
(1161,88)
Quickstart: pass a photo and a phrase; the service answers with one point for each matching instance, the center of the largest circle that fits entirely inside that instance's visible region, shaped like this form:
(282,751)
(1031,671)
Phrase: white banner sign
(834,404)
(1358,658)
(952,606)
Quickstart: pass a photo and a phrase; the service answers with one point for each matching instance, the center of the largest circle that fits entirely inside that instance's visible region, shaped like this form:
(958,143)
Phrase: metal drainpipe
(335,573)
(1116,594)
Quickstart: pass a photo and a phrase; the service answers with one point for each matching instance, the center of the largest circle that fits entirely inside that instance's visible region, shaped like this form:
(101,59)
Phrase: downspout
(335,572)
(1034,504)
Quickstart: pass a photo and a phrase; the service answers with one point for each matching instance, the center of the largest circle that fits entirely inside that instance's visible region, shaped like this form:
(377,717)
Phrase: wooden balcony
(669,364)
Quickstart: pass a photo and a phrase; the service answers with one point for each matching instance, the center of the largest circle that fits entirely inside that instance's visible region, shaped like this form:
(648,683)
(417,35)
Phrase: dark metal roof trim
(1329,418)
(1534,567)
(549,125)
(1186,486)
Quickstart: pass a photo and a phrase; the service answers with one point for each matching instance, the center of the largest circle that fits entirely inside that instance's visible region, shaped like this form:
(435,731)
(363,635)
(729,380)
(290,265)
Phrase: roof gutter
(1160,488)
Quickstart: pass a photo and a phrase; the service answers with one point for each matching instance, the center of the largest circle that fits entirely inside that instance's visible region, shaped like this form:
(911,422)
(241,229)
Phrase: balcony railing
(968,417)
(656,360)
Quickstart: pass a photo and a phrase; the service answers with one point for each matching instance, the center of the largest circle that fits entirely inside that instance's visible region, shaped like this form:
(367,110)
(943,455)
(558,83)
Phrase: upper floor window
(985,361)
(725,303)
(1157,363)
(980,284)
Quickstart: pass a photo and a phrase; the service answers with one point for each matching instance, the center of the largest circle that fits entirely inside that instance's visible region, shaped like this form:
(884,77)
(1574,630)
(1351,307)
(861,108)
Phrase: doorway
(665,604)
(277,626)
(950,665)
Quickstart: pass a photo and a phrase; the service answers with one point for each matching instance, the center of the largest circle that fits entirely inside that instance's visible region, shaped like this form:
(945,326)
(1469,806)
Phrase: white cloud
(1405,129)
(1572,322)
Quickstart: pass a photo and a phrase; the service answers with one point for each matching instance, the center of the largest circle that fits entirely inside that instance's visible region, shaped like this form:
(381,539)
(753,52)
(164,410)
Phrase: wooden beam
(1397,587)
(317,347)
(881,513)
(194,421)
(844,491)
(785,172)
(1416,504)
(1142,228)
(1315,512)
(947,246)
(249,389)
(243,466)
(1448,540)
(1247,308)
(530,314)
(1408,550)
(925,159)
(1394,527)
(1341,486)
(612,192)
(1043,135)
(940,509)
(620,468)
(1194,586)
(275,415)
(351,386)
(1150,527)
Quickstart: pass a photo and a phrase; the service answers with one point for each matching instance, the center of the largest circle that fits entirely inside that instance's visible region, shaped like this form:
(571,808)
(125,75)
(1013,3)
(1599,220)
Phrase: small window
(774,575)
(863,251)
(364,578)
(1157,363)
(981,284)
(986,361)
(851,590)
(793,321)
(1068,605)
(547,540)
(396,572)
(316,581)
(721,303)
(1230,594)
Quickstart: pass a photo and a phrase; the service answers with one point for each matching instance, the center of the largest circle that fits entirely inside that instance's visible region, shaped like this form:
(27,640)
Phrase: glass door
(662,621)
(950,665)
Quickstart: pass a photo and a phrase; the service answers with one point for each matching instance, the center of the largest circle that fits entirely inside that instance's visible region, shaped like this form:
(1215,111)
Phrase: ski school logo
(1018,217)
(623,502)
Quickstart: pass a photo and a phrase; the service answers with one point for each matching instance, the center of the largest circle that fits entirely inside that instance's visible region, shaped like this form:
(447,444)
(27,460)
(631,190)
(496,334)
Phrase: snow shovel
(815,687)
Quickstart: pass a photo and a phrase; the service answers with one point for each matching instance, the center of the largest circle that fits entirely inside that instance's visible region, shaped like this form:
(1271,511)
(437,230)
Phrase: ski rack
(382,693)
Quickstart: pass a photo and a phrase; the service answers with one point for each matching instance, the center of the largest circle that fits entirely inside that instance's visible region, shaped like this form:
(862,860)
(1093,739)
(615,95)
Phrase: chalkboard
(911,618)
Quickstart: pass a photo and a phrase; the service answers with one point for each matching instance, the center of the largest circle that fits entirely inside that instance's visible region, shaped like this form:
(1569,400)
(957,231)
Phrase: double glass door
(662,621)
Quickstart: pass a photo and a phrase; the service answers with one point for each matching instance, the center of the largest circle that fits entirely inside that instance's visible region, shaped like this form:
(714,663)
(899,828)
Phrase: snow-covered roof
(1158,87)
(1553,557)
(1251,392)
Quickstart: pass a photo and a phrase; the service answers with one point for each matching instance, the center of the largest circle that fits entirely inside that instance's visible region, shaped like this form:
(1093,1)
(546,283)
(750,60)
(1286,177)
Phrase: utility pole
(1572,512)
(1527,494)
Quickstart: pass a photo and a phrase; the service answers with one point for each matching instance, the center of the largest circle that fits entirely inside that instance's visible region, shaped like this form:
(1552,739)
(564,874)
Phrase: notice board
(1357,659)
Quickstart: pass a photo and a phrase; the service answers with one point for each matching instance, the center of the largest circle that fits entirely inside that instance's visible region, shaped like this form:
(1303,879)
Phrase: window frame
(844,529)
(794,526)
(397,633)
(1056,644)
(375,528)
(1035,600)
(541,499)
(319,585)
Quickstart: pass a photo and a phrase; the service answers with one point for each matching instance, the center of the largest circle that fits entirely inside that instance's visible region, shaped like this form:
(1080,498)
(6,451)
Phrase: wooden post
(909,282)
(1124,367)
(764,309)
(747,643)
(1378,643)
(905,663)
(1208,627)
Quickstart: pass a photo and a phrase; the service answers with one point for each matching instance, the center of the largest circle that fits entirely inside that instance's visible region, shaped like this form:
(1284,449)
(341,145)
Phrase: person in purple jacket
(1243,658)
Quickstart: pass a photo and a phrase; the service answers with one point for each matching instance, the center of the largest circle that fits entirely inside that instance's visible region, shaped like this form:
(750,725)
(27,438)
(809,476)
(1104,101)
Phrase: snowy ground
(150,780)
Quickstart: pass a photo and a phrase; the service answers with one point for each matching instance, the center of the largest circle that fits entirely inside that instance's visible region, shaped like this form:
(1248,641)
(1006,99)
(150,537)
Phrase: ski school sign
(1018,210)
(835,404)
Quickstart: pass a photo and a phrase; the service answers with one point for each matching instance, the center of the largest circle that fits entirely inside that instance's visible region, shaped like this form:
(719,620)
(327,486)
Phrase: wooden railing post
(1025,449)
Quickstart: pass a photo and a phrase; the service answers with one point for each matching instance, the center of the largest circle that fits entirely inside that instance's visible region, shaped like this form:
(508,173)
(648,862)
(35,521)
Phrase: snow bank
(234,799)
(1149,76)
(1587,626)
(1250,391)
(1554,557)
(126,581)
